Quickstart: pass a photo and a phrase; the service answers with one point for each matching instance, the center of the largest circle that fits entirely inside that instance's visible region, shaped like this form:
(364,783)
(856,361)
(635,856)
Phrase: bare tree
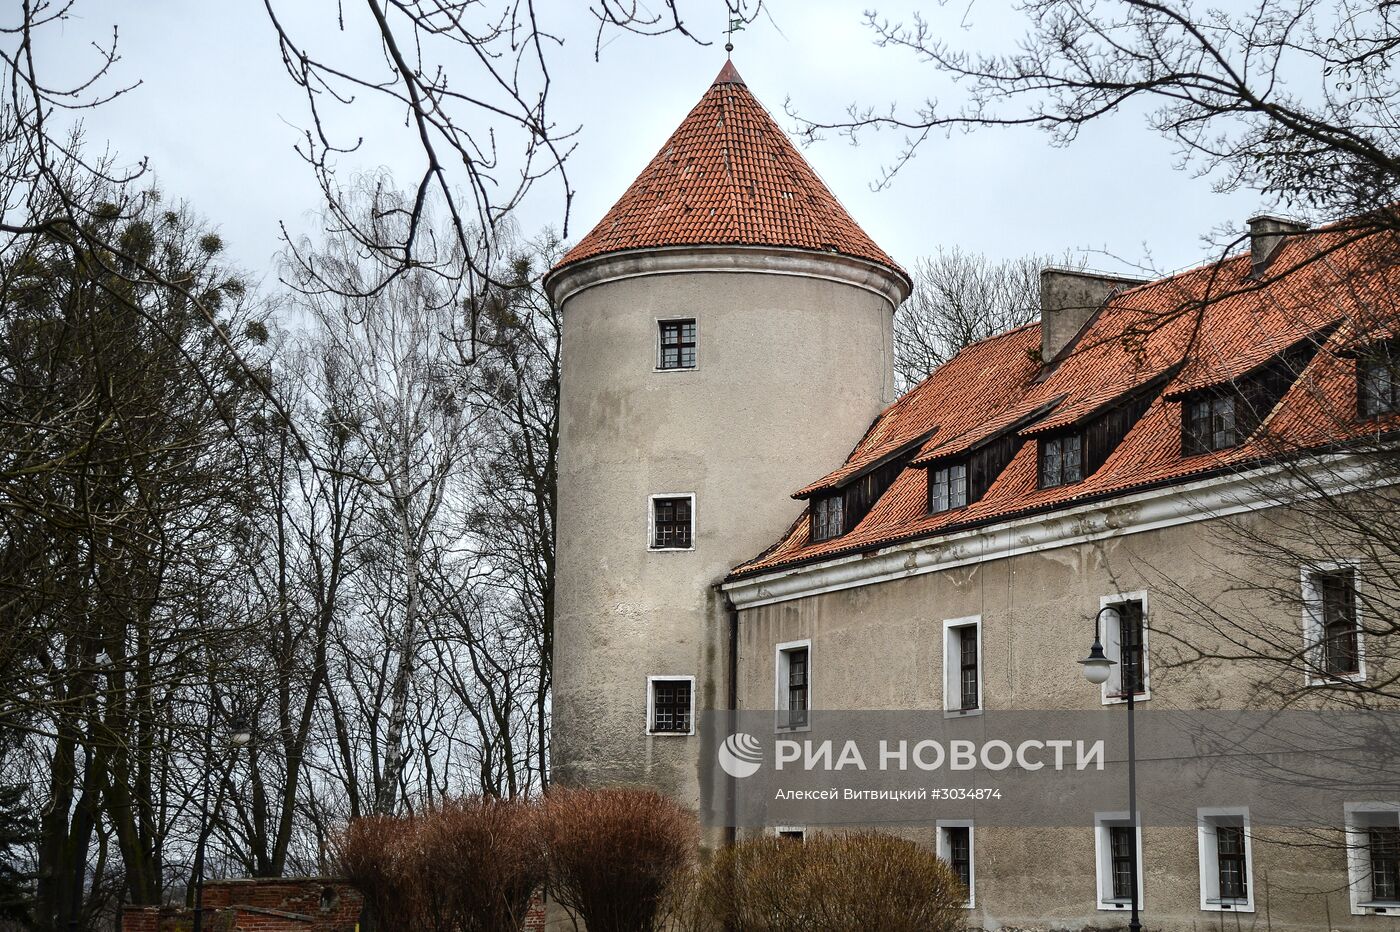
(125,479)
(960,298)
(515,480)
(472,81)
(1293,98)
(409,409)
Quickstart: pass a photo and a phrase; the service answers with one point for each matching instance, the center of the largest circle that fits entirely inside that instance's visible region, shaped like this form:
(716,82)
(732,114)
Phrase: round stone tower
(726,339)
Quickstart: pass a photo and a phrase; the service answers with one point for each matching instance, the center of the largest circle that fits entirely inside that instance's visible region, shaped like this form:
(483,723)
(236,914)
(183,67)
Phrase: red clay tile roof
(728,175)
(1191,330)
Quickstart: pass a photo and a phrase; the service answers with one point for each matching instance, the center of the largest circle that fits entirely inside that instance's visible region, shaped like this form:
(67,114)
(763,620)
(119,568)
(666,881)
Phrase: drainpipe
(731,802)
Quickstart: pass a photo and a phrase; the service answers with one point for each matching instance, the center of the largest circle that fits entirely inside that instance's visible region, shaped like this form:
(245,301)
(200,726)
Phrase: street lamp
(240,736)
(1097,669)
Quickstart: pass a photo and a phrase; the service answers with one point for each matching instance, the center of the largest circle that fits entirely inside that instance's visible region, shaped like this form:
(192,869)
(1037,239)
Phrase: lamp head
(240,735)
(1096,666)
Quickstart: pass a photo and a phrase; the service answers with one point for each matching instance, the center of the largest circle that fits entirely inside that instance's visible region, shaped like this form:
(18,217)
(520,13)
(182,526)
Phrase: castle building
(727,339)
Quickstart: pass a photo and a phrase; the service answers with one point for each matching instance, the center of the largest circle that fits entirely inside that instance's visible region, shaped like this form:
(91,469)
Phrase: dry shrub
(829,883)
(615,853)
(469,865)
(372,852)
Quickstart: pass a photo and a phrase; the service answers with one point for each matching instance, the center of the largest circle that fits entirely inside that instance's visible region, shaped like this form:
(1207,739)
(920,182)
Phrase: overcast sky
(218,117)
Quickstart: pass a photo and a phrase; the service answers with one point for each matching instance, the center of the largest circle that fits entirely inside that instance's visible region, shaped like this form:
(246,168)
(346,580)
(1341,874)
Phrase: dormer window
(827,519)
(1378,380)
(957,482)
(947,486)
(1061,460)
(837,511)
(1225,415)
(1074,453)
(1210,424)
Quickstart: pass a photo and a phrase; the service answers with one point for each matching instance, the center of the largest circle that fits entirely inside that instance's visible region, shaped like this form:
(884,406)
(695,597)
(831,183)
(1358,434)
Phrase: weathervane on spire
(735,25)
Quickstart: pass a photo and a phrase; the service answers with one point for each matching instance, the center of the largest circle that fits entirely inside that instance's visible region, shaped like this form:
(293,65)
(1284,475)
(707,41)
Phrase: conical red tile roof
(728,175)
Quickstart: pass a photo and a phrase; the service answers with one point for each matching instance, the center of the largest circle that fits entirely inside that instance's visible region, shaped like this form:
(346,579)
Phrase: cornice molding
(1134,513)
(890,284)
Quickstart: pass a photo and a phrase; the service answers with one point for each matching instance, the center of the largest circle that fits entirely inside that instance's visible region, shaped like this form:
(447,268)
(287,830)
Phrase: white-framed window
(947,486)
(671,521)
(955,845)
(792,687)
(677,344)
(1332,622)
(1226,857)
(1124,633)
(670,705)
(1117,843)
(962,666)
(790,832)
(1373,858)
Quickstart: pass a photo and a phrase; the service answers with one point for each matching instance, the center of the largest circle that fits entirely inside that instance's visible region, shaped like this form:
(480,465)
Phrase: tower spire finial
(736,24)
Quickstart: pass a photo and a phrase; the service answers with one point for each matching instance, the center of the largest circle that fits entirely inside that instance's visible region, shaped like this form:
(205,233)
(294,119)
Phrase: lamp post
(1097,668)
(240,736)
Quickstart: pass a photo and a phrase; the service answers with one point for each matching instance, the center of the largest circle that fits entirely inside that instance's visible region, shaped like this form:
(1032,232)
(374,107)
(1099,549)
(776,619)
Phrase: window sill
(1122,698)
(670,734)
(961,713)
(1218,905)
(670,549)
(676,369)
(1116,905)
(1313,682)
(1380,904)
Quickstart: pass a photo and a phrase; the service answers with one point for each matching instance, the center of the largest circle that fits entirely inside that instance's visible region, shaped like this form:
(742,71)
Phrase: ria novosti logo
(740,755)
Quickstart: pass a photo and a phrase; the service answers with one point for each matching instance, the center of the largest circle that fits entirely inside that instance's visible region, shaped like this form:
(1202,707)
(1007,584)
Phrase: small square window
(947,487)
(672,522)
(671,708)
(791,833)
(677,345)
(1061,460)
(1210,423)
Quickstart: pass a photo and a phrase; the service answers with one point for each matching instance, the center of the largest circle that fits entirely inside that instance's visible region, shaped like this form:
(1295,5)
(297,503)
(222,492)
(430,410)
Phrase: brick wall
(259,905)
(275,905)
(534,919)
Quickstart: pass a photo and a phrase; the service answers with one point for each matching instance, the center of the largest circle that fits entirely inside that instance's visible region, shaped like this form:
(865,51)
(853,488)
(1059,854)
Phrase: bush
(469,865)
(829,883)
(372,852)
(614,855)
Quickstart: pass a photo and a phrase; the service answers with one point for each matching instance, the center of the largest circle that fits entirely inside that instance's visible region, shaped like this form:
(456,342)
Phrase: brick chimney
(1068,298)
(1266,234)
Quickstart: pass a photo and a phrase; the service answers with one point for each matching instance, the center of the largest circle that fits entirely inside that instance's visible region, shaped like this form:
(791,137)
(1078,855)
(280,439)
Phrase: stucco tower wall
(794,362)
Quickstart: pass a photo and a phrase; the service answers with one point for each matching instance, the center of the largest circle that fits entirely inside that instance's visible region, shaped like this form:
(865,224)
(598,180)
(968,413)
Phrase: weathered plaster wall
(791,371)
(880,647)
